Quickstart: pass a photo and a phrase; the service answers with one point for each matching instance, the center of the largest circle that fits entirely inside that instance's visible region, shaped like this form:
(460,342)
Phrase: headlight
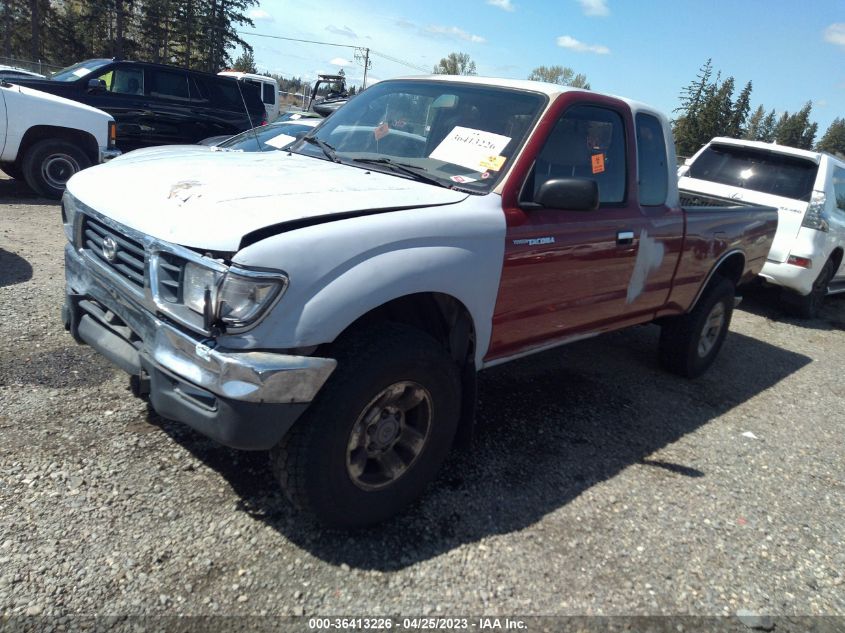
(194,284)
(244,295)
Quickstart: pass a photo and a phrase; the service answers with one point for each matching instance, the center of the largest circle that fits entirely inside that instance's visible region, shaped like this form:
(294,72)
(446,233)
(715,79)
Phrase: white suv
(807,187)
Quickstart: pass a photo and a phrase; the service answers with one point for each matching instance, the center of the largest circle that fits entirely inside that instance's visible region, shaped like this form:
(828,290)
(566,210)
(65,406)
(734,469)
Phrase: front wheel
(378,431)
(49,164)
(690,343)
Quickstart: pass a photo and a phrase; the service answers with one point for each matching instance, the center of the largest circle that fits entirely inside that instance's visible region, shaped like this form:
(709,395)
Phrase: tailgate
(790,212)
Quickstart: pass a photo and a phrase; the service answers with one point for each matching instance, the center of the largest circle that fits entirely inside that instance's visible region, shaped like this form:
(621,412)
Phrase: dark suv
(155,104)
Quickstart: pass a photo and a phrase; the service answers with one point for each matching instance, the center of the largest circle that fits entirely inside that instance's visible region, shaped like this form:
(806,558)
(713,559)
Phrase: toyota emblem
(109,249)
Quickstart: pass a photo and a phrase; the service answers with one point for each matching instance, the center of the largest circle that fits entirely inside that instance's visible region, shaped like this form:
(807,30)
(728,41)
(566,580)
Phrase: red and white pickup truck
(334,303)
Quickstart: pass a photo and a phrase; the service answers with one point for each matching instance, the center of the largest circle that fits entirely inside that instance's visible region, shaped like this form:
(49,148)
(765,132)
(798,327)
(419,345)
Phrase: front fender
(340,270)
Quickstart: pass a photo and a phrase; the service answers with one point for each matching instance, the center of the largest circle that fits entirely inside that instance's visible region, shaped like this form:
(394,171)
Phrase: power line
(395,60)
(294,39)
(400,61)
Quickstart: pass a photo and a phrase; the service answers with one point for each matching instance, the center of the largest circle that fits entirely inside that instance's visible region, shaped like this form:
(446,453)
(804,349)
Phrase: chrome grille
(115,250)
(170,268)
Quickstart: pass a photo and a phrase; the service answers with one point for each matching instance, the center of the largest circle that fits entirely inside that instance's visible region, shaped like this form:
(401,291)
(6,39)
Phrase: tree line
(710,108)
(197,34)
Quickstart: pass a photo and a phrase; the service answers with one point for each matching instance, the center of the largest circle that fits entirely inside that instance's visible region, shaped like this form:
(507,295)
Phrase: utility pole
(362,56)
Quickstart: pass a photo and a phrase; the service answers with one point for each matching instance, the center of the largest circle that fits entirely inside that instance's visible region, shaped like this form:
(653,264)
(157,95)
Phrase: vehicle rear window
(225,94)
(766,172)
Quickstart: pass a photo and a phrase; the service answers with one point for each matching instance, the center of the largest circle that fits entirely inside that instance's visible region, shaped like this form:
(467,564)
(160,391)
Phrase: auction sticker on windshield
(470,148)
(280,141)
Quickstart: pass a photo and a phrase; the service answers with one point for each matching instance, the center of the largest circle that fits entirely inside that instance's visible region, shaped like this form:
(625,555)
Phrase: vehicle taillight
(814,217)
(264,120)
(112,133)
(801,262)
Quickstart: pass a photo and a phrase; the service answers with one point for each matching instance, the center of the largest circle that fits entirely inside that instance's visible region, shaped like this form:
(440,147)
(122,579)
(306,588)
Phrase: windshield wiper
(328,150)
(409,170)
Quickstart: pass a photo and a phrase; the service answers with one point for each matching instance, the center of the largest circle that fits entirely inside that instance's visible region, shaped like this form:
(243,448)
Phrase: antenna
(249,116)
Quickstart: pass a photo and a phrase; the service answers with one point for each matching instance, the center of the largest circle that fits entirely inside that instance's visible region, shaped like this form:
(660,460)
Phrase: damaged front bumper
(242,399)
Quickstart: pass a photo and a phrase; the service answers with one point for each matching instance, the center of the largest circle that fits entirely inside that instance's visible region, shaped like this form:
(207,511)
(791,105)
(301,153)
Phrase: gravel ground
(598,484)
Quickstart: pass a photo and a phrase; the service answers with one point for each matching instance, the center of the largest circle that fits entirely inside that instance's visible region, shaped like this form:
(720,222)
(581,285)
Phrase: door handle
(625,237)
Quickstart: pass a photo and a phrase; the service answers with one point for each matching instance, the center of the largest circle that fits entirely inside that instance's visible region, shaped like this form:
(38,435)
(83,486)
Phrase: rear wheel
(377,433)
(808,306)
(49,164)
(690,343)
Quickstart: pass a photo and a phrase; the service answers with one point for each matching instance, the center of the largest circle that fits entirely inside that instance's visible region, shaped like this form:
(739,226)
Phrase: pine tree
(795,130)
(768,128)
(736,124)
(755,123)
(833,140)
(246,62)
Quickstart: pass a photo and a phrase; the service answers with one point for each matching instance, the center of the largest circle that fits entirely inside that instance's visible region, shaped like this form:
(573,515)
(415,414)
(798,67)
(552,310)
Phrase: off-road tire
(681,337)
(311,461)
(49,164)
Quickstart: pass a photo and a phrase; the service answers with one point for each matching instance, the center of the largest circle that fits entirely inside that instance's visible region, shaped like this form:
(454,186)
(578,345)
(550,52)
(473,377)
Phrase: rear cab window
(651,158)
(758,170)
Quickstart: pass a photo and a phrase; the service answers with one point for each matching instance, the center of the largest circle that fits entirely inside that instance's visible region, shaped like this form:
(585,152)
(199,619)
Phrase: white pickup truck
(334,301)
(45,139)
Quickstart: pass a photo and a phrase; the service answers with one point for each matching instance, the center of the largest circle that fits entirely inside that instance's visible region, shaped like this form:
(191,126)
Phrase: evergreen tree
(739,114)
(768,128)
(246,62)
(795,130)
(755,123)
(833,140)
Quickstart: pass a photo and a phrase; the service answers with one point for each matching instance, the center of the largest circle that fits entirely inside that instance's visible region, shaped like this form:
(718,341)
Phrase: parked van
(807,187)
(268,86)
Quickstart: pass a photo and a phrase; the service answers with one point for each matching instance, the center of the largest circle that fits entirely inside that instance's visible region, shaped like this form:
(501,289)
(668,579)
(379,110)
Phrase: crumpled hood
(202,198)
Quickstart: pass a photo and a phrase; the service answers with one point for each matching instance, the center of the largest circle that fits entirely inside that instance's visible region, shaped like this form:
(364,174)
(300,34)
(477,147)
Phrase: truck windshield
(759,170)
(444,132)
(77,71)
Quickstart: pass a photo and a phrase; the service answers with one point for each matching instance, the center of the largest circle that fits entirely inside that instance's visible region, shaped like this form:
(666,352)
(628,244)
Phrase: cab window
(587,142)
(127,81)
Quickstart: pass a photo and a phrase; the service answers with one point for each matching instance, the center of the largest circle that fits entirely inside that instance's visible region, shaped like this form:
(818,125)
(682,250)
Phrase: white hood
(197,197)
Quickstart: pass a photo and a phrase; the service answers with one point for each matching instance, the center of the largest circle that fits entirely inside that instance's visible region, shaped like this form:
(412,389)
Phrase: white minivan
(807,187)
(268,86)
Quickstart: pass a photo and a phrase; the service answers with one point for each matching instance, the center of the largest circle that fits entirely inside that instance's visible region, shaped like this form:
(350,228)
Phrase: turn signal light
(112,133)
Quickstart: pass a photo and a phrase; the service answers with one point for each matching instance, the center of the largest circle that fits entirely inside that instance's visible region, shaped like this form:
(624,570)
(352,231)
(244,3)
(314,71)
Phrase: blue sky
(643,49)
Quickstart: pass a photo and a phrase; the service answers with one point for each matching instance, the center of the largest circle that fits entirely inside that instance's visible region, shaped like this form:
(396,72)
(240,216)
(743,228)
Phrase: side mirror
(572,194)
(96,85)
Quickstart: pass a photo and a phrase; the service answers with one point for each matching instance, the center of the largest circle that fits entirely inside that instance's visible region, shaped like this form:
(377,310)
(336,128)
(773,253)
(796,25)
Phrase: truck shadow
(766,302)
(18,192)
(14,269)
(550,427)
